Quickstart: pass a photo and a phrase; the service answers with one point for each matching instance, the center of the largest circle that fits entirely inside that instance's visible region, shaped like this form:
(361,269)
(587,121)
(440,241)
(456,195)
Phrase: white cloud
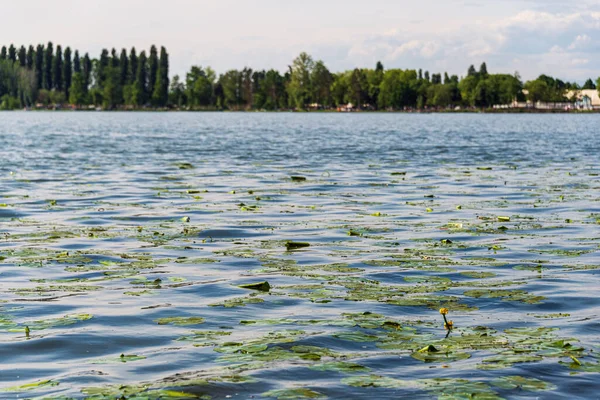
(425,49)
(580,61)
(581,41)
(566,45)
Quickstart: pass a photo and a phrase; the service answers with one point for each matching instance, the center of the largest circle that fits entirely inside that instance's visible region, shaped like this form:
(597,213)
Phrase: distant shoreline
(463,111)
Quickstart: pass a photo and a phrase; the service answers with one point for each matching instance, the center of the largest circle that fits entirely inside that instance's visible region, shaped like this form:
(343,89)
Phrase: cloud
(566,45)
(581,41)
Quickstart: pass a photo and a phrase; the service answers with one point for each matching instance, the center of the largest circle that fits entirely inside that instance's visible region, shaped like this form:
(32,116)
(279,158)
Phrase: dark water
(494,217)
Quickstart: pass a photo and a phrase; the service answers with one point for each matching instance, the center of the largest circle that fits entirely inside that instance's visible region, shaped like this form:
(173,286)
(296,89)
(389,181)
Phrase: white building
(586,99)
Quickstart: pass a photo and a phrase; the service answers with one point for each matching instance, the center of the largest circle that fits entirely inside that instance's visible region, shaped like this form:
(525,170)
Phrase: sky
(556,37)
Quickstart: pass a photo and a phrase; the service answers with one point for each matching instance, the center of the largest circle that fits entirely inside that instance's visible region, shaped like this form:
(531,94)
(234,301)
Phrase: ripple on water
(98,259)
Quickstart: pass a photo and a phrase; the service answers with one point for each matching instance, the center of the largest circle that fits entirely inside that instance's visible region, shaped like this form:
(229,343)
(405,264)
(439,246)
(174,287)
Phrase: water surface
(125,238)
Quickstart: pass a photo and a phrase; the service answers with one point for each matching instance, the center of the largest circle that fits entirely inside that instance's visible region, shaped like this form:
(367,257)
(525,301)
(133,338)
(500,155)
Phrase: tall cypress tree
(87,71)
(114,58)
(483,72)
(39,66)
(161,91)
(152,69)
(3,53)
(133,65)
(22,56)
(76,63)
(30,57)
(67,72)
(124,67)
(12,53)
(103,64)
(140,86)
(47,75)
(57,67)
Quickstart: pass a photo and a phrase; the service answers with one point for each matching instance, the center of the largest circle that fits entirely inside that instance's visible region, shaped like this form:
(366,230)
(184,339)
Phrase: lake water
(125,238)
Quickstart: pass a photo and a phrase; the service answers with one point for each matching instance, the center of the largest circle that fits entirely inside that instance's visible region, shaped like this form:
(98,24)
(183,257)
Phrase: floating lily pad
(32,386)
(294,394)
(260,286)
(181,321)
(341,366)
(431,353)
(296,245)
(375,381)
(522,383)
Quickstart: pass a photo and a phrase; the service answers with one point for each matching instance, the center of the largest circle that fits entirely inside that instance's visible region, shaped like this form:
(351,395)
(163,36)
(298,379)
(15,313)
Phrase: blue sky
(529,36)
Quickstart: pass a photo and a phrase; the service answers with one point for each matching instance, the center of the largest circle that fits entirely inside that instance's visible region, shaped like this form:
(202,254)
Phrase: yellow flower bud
(443,311)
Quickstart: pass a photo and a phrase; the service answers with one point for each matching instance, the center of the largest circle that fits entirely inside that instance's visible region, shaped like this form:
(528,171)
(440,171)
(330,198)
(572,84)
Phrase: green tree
(399,89)
(300,85)
(76,63)
(86,69)
(589,85)
(467,88)
(321,80)
(112,92)
(483,72)
(140,89)
(124,67)
(548,89)
(537,90)
(177,95)
(374,79)
(39,66)
(3,53)
(12,53)
(57,97)
(274,90)
(47,75)
(258,89)
(439,95)
(67,72)
(339,87)
(114,58)
(102,66)
(161,89)
(358,88)
(199,86)
(152,69)
(247,88)
(231,84)
(22,56)
(78,90)
(484,94)
(57,69)
(472,71)
(133,66)
(30,58)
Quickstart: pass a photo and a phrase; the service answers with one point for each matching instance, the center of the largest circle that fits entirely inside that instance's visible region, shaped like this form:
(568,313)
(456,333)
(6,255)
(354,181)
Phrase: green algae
(180,321)
(26,387)
(260,286)
(340,366)
(395,266)
(293,394)
(522,383)
(375,381)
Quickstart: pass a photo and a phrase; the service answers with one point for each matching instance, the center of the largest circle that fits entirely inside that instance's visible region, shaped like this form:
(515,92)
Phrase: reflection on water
(125,238)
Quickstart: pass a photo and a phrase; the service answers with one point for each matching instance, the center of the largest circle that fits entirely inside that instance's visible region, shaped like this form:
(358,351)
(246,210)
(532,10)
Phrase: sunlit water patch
(285,256)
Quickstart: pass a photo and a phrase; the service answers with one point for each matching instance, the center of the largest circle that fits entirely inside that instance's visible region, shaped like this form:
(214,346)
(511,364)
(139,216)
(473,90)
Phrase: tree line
(48,75)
